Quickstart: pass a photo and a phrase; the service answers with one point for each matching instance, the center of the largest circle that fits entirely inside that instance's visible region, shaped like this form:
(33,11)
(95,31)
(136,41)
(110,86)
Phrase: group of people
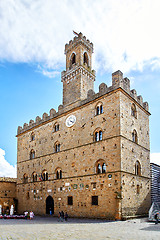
(29,215)
(62,216)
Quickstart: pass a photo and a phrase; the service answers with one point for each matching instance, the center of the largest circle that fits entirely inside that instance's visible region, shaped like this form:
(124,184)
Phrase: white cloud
(155,158)
(124,32)
(6,169)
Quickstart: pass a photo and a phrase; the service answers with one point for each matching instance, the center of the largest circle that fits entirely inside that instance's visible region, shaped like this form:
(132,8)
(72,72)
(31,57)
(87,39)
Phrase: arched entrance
(49,205)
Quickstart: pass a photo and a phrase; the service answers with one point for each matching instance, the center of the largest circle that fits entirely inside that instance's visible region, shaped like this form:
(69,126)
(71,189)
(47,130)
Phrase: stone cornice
(76,70)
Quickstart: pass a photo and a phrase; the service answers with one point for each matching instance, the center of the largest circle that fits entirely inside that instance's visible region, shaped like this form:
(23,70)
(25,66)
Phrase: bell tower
(79,77)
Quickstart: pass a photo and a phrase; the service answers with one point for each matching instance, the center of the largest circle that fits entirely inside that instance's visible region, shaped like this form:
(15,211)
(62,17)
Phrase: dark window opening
(70,200)
(99,168)
(73,59)
(32,137)
(103,168)
(98,110)
(57,175)
(57,147)
(56,127)
(45,176)
(98,136)
(134,136)
(32,154)
(95,200)
(137,168)
(101,109)
(85,59)
(133,110)
(60,174)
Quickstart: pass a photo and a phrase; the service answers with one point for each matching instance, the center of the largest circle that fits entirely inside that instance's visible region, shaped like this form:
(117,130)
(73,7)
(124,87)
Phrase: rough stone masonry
(91,158)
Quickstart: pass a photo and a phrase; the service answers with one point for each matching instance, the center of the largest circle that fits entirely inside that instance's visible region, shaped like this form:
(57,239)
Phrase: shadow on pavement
(152,227)
(51,220)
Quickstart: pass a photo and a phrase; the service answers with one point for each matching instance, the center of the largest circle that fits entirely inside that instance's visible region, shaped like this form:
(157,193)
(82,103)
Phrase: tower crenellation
(79,39)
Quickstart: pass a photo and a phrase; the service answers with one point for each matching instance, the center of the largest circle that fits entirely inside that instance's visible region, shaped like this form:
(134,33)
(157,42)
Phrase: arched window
(133,110)
(44,175)
(56,127)
(98,135)
(58,173)
(72,60)
(137,168)
(100,166)
(134,136)
(34,177)
(57,147)
(32,154)
(32,136)
(99,109)
(25,178)
(85,59)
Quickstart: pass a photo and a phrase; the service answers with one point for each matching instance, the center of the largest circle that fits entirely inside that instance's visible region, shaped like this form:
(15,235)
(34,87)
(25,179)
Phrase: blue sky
(32,40)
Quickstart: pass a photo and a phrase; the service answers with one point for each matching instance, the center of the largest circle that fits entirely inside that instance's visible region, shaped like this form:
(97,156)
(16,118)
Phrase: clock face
(70,121)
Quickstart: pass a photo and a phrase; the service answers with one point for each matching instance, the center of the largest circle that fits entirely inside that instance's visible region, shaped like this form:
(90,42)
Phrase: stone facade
(91,158)
(7,194)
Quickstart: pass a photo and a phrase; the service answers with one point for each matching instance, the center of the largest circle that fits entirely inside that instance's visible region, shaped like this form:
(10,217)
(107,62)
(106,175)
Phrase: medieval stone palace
(92,157)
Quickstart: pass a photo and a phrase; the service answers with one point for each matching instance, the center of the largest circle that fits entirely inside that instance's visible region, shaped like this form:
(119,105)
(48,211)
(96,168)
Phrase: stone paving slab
(82,229)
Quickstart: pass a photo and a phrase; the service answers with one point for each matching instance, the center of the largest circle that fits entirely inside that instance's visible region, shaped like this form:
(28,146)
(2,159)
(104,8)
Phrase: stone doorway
(49,205)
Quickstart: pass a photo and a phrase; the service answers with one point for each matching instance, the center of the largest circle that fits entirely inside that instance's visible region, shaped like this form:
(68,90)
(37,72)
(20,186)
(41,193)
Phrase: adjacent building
(155,183)
(7,194)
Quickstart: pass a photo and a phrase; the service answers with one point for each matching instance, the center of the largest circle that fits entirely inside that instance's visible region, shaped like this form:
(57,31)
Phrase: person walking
(31,214)
(156,216)
(25,214)
(66,216)
(50,211)
(62,215)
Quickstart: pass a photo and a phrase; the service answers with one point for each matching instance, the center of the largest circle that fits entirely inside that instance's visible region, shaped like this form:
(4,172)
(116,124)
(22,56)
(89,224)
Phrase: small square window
(95,200)
(70,200)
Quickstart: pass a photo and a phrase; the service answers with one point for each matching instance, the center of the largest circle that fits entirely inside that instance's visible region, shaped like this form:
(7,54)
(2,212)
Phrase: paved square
(84,229)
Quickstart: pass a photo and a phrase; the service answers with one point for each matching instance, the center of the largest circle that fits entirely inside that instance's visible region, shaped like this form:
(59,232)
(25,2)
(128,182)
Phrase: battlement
(117,82)
(8,179)
(38,120)
(79,39)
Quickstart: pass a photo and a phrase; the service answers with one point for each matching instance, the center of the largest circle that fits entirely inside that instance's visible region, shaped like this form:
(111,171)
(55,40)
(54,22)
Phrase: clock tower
(79,77)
